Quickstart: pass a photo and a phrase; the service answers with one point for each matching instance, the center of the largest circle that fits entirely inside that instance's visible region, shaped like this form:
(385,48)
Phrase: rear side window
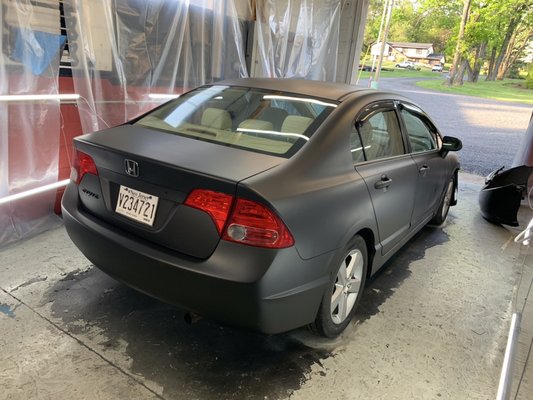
(420,135)
(379,136)
(258,120)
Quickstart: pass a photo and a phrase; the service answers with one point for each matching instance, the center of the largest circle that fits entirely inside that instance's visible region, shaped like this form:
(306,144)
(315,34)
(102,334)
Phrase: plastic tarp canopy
(167,47)
(29,131)
(128,53)
(123,52)
(298,39)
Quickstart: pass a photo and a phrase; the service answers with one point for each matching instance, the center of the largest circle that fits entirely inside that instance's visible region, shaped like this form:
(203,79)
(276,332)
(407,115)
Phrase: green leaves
(502,26)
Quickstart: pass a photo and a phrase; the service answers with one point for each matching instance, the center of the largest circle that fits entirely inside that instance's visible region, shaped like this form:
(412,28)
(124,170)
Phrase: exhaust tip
(191,318)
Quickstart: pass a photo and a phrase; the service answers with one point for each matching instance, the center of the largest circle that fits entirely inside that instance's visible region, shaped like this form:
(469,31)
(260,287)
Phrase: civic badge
(131,167)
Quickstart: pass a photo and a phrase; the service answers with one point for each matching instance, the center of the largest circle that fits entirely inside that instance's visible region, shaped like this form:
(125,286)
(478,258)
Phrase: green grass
(513,90)
(507,90)
(403,73)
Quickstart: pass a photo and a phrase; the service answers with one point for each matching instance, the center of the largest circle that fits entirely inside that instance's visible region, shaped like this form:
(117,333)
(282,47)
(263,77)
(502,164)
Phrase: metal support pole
(375,83)
(383,15)
(506,377)
(524,156)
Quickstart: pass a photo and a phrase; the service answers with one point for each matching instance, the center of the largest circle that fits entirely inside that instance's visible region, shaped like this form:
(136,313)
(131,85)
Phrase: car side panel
(334,208)
(431,181)
(393,205)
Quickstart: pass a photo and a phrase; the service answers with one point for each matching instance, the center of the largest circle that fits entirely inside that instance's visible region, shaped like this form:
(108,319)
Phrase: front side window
(421,137)
(258,120)
(379,136)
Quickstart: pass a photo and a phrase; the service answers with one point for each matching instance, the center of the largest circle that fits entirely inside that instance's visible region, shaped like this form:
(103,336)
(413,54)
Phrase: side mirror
(450,143)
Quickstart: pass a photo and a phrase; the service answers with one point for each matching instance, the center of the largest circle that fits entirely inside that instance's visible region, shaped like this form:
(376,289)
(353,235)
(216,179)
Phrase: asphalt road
(491,130)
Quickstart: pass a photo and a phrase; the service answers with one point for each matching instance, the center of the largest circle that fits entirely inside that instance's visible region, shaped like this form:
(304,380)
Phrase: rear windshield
(258,120)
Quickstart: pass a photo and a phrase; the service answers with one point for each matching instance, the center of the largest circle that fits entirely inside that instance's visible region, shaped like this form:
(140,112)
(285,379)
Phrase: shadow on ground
(396,270)
(206,360)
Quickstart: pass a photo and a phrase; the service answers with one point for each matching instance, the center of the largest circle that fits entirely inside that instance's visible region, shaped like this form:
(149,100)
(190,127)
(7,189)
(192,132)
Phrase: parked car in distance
(260,203)
(437,68)
(406,64)
(367,68)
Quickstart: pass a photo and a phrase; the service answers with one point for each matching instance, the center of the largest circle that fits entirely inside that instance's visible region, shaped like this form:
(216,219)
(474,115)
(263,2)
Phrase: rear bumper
(267,290)
(500,197)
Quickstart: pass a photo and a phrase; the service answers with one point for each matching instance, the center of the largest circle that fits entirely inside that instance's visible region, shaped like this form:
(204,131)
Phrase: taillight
(249,223)
(216,204)
(254,224)
(83,164)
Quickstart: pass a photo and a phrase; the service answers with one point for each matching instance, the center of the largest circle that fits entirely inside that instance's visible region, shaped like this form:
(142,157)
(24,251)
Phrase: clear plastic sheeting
(297,39)
(128,56)
(4,154)
(29,136)
(127,53)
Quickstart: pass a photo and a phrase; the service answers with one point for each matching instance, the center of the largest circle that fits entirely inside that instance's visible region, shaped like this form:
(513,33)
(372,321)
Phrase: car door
(424,142)
(389,172)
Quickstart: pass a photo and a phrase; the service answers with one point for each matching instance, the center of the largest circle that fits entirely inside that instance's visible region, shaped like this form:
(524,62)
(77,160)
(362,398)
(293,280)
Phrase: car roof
(324,90)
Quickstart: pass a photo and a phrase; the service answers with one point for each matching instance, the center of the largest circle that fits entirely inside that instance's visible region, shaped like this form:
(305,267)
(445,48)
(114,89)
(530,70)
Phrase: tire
(345,289)
(446,202)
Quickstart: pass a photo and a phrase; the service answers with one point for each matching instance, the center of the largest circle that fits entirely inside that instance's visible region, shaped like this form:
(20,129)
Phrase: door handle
(423,169)
(384,183)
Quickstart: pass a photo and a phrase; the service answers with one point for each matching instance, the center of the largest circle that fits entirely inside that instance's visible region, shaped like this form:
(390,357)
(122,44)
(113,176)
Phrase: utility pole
(375,83)
(383,15)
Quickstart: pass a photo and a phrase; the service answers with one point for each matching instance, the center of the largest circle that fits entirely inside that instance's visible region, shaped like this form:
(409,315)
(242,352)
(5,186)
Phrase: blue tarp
(37,49)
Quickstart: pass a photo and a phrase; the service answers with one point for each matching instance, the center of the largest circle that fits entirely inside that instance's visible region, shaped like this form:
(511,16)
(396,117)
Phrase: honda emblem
(131,167)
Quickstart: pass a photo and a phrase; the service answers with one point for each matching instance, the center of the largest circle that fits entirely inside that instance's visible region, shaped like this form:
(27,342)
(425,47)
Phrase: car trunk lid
(156,171)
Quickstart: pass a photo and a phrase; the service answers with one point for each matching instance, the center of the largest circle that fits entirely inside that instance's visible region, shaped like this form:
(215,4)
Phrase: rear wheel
(445,204)
(344,292)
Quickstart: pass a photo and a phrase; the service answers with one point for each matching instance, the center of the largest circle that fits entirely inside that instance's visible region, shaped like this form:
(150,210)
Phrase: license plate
(137,205)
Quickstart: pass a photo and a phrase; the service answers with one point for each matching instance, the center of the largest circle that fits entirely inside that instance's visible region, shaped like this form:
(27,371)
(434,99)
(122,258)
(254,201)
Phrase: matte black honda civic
(260,203)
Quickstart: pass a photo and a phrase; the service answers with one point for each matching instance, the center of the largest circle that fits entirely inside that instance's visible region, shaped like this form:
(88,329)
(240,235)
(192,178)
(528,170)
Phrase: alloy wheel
(347,286)
(447,200)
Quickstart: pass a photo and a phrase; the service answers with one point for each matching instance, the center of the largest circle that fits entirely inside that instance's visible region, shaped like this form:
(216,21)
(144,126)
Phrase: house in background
(436,58)
(421,53)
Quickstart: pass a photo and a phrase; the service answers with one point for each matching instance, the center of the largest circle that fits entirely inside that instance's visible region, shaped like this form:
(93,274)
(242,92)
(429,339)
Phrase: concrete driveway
(432,324)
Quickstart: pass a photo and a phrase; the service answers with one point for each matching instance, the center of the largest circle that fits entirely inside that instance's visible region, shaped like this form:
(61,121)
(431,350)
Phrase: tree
(529,79)
(439,24)
(492,33)
(424,21)
(455,77)
(514,18)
